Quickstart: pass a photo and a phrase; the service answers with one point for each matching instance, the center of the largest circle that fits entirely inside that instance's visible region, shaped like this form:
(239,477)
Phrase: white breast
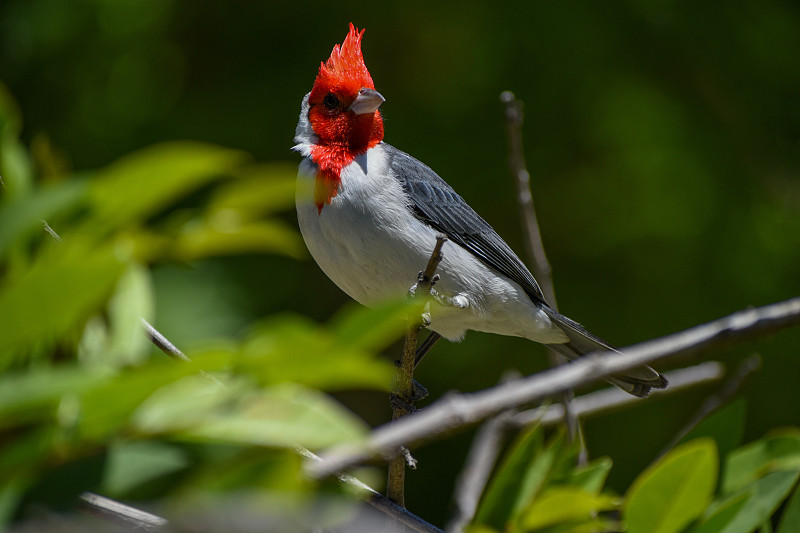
(370,245)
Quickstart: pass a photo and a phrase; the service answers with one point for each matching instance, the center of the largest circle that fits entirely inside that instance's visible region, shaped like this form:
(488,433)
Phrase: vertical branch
(402,387)
(533,238)
(534,248)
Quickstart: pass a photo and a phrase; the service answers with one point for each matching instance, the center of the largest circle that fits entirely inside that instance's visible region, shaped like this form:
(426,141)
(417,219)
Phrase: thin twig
(530,224)
(534,246)
(612,398)
(107,508)
(404,377)
(50,231)
(378,500)
(715,401)
(171,350)
(462,410)
(119,513)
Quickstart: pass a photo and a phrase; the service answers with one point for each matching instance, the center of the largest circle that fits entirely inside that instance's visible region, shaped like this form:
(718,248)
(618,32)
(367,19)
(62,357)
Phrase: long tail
(637,381)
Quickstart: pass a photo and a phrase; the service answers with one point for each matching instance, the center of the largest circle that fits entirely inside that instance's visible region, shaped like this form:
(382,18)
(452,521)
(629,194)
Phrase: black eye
(330,101)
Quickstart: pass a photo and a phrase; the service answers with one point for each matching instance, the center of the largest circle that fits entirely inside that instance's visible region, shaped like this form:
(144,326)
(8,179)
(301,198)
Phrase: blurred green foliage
(662,138)
(81,382)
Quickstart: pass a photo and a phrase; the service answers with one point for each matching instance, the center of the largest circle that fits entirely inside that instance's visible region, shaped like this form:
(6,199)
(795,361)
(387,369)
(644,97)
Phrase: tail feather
(637,381)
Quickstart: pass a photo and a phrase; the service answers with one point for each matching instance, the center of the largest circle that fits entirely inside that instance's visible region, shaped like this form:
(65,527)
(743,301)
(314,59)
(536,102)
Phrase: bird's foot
(401,402)
(458,301)
(421,279)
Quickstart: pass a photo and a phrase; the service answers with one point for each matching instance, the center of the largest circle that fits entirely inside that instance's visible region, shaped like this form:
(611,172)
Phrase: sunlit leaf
(565,504)
(671,493)
(776,452)
(131,464)
(32,396)
(54,296)
(108,407)
(750,507)
(141,183)
(261,190)
(592,476)
(131,302)
(26,214)
(227,233)
(294,349)
(277,469)
(357,326)
(285,415)
(521,467)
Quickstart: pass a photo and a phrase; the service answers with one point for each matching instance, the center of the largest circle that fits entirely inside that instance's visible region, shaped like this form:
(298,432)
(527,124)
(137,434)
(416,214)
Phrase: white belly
(370,245)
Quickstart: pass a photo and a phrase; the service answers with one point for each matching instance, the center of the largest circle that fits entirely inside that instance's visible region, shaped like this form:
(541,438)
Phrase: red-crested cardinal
(370,213)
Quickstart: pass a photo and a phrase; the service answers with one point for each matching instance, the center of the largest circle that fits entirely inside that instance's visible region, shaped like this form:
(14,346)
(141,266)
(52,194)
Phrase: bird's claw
(401,402)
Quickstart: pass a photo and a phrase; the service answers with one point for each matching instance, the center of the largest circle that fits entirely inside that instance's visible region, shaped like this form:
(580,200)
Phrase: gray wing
(436,203)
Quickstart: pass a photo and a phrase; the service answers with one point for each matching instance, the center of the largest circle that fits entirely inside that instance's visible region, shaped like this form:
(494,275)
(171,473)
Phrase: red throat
(342,134)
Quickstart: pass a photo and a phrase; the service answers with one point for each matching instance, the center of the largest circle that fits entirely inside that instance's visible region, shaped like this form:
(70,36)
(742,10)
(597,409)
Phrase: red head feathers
(343,112)
(345,71)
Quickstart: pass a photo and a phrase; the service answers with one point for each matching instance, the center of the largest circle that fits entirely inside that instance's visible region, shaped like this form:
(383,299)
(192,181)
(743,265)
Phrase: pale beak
(367,101)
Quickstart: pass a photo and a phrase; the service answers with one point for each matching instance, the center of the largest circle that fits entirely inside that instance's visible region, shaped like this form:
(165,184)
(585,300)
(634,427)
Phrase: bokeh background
(663,138)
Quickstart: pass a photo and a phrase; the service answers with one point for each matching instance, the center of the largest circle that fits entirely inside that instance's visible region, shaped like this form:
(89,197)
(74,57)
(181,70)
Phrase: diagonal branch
(612,398)
(458,411)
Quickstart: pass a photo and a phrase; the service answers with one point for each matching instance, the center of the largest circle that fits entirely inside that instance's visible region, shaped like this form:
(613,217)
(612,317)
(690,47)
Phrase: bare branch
(373,497)
(404,377)
(378,500)
(612,398)
(121,514)
(530,224)
(171,350)
(457,411)
(481,459)
(534,246)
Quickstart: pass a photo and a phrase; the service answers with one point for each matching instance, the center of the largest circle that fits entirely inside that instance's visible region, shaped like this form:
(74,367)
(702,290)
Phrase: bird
(369,214)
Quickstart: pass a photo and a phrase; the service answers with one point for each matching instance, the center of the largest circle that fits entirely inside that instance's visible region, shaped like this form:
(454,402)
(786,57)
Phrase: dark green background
(663,139)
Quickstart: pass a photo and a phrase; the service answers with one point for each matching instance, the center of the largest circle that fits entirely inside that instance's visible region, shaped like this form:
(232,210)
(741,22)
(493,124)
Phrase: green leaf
(516,471)
(140,184)
(108,407)
(132,301)
(11,491)
(671,493)
(746,510)
(294,349)
(592,476)
(776,452)
(51,299)
(131,464)
(720,514)
(375,329)
(226,232)
(261,190)
(16,176)
(725,426)
(25,214)
(790,521)
(285,415)
(564,504)
(32,396)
